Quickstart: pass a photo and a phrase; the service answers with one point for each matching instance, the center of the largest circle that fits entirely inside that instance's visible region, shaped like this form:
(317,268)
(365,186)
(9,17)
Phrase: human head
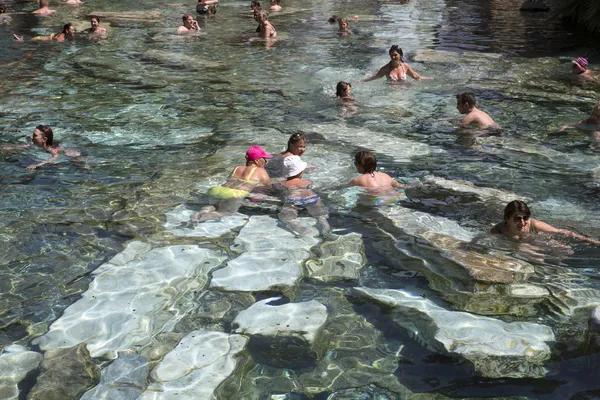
(274,2)
(297,144)
(517,216)
(255,153)
(255,4)
(293,167)
(94,21)
(2,9)
(366,160)
(256,14)
(580,65)
(188,20)
(44,3)
(42,136)
(396,52)
(263,16)
(68,29)
(333,19)
(465,102)
(342,89)
(343,24)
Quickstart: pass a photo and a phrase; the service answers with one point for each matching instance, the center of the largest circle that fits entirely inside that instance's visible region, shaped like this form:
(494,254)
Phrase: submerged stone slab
(66,374)
(15,363)
(123,379)
(497,349)
(196,367)
(339,259)
(131,300)
(271,256)
(303,320)
(179,223)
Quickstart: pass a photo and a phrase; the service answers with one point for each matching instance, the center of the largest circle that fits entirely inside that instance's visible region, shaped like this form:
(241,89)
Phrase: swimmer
(244,179)
(72,2)
(95,26)
(366,164)
(518,223)
(396,70)
(207,7)
(266,29)
(298,195)
(296,145)
(343,25)
(342,90)
(44,9)
(334,18)
(465,103)
(593,120)
(579,67)
(275,5)
(43,137)
(189,25)
(68,32)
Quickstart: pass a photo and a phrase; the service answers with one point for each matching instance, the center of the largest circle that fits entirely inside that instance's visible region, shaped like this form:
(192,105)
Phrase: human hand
(33,166)
(20,39)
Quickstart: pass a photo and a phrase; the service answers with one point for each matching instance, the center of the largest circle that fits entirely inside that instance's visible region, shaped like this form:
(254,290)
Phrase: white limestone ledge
(15,363)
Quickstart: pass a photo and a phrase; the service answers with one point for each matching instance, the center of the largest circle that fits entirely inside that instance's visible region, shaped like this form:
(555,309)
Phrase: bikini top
(247,178)
(402,77)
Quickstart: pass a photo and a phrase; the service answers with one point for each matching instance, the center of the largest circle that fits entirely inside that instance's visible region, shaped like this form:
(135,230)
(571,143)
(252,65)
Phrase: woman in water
(68,32)
(579,67)
(396,70)
(244,179)
(518,223)
(266,30)
(592,120)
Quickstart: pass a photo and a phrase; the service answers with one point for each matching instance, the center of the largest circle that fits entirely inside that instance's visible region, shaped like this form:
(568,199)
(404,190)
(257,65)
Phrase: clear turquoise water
(160,118)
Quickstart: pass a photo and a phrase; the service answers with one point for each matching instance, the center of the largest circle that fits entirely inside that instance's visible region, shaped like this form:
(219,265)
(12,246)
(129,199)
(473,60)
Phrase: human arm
(410,72)
(8,147)
(206,2)
(397,184)
(544,227)
(383,71)
(54,157)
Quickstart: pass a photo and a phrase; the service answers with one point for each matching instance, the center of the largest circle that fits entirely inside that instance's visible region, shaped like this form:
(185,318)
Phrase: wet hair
(516,206)
(466,97)
(397,49)
(255,4)
(2,9)
(341,20)
(367,160)
(45,129)
(341,88)
(66,28)
(263,14)
(274,2)
(295,138)
(44,3)
(186,16)
(333,19)
(97,18)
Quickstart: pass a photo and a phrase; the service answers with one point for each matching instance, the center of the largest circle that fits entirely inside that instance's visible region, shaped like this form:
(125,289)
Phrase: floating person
(95,26)
(44,9)
(579,67)
(465,103)
(244,179)
(275,5)
(518,223)
(190,25)
(266,29)
(298,195)
(207,7)
(396,70)
(44,137)
(68,32)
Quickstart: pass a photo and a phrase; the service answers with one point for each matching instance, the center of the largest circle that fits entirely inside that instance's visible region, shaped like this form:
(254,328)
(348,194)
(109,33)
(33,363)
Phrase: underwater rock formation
(497,349)
(337,260)
(179,223)
(194,369)
(66,374)
(15,363)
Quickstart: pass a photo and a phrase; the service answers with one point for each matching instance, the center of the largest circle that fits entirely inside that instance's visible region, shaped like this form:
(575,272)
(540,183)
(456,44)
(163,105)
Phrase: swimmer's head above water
(396,53)
(297,144)
(579,65)
(365,162)
(42,136)
(343,89)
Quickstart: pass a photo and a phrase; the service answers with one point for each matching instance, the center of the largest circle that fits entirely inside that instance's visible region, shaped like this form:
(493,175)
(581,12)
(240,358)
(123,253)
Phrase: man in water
(465,102)
(44,9)
(189,25)
(95,26)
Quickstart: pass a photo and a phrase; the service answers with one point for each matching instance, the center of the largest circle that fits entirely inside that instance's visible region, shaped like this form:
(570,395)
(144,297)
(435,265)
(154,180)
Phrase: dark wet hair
(295,138)
(186,16)
(341,88)
(97,18)
(45,129)
(333,19)
(2,9)
(66,28)
(274,2)
(516,206)
(367,160)
(255,4)
(467,97)
(397,49)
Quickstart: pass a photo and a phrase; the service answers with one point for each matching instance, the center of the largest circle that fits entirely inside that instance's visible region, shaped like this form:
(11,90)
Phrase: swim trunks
(301,202)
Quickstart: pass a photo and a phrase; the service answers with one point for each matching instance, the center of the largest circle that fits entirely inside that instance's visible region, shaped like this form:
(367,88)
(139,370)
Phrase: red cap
(256,152)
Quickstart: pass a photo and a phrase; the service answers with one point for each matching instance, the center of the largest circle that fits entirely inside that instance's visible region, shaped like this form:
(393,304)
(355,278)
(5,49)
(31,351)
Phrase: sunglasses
(516,219)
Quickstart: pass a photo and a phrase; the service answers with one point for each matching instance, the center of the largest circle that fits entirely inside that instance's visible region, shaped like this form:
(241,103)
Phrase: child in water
(379,185)
(465,103)
(346,101)
(298,195)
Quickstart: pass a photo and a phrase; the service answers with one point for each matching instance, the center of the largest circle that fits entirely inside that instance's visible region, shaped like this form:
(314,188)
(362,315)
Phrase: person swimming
(68,32)
(396,70)
(518,223)
(298,195)
(275,6)
(95,26)
(244,179)
(465,103)
(44,9)
(189,25)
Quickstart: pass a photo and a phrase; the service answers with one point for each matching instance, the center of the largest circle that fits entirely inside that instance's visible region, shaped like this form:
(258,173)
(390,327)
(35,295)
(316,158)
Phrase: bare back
(375,180)
(480,118)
